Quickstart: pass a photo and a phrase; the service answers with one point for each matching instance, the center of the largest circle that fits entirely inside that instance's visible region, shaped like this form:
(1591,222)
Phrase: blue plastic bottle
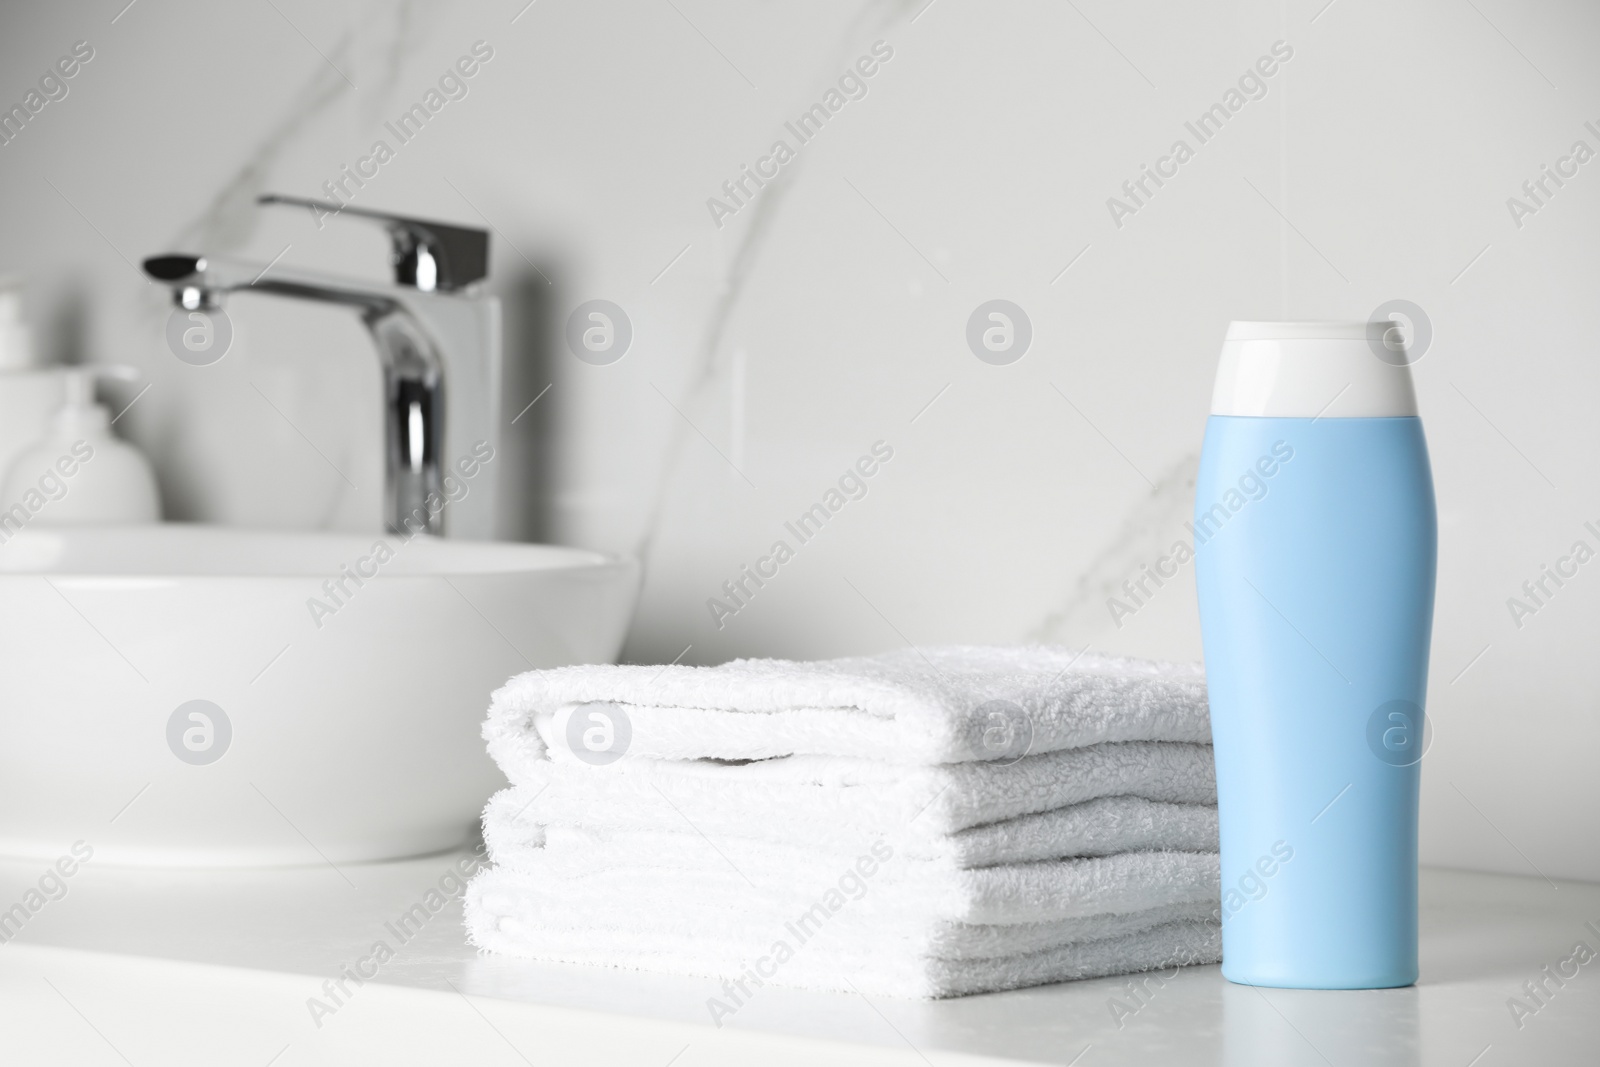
(1315,551)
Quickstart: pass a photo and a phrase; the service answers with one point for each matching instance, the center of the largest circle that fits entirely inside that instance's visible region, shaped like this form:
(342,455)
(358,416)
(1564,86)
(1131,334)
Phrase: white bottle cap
(80,412)
(16,342)
(1309,370)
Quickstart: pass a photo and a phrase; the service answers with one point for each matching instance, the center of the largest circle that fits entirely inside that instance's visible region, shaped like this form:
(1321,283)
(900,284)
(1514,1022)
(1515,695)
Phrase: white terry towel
(806,942)
(909,891)
(915,706)
(795,797)
(1097,827)
(1081,844)
(502,909)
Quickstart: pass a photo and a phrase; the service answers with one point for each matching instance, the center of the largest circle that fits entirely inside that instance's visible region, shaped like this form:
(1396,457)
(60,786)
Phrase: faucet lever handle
(427,255)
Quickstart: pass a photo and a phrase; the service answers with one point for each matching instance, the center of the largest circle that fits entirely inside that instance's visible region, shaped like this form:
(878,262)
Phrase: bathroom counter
(143,967)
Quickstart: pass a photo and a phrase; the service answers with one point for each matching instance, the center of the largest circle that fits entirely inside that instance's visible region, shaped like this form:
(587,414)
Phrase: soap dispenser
(79,473)
(29,389)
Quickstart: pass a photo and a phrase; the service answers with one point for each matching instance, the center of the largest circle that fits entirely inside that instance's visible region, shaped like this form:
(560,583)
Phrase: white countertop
(143,967)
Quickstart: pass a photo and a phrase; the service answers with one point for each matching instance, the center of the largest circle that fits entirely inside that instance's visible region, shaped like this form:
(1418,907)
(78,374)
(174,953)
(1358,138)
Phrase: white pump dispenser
(79,473)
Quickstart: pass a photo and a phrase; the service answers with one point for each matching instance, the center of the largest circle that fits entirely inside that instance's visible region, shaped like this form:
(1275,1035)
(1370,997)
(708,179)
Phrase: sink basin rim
(313,555)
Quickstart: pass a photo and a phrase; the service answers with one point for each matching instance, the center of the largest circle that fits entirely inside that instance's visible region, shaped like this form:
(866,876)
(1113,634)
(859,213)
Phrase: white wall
(827,314)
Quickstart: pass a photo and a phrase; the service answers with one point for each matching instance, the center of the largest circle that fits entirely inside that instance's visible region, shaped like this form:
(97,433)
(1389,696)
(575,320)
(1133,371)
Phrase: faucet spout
(414,413)
(413,366)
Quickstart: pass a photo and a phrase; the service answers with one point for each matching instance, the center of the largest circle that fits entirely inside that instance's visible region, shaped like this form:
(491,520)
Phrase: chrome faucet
(429,329)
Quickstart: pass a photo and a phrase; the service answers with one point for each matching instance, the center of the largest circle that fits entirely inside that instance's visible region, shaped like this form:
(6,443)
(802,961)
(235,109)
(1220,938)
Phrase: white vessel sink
(347,732)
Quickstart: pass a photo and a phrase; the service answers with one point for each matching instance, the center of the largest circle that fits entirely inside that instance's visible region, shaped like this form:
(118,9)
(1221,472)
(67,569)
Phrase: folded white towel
(929,706)
(502,910)
(872,952)
(914,892)
(792,797)
(1094,828)
(922,823)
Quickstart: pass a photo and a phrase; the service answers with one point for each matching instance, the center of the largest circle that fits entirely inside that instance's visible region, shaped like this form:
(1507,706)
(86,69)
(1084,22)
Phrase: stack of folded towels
(925,823)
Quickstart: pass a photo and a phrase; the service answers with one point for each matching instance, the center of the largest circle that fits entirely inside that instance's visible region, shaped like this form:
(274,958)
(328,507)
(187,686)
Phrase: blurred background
(780,332)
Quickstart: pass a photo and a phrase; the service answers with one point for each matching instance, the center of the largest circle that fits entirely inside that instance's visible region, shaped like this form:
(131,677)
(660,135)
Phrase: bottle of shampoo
(1315,558)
